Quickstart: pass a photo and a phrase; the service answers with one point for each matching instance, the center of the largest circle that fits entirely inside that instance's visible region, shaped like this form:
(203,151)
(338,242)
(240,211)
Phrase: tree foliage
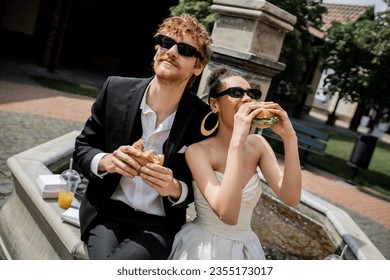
(200,9)
(359,55)
(299,49)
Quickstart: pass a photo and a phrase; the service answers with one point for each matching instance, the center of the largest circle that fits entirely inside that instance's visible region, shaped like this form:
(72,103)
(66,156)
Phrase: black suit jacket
(116,120)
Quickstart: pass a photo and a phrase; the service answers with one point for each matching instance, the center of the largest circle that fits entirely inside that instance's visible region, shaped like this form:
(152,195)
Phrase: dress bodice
(208,220)
(208,238)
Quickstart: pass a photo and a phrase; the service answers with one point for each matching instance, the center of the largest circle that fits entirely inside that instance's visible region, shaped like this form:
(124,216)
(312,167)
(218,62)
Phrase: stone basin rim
(54,150)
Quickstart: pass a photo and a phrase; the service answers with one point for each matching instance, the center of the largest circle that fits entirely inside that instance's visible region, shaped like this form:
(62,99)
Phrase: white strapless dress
(208,238)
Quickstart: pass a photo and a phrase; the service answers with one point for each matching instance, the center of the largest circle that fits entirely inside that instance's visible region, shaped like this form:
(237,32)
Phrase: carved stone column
(248,36)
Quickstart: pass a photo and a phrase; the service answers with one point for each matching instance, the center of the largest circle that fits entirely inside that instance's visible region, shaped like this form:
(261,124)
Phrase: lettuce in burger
(264,119)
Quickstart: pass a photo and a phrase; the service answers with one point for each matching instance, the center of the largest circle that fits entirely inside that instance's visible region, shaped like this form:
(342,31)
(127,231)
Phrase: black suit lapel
(133,126)
(181,123)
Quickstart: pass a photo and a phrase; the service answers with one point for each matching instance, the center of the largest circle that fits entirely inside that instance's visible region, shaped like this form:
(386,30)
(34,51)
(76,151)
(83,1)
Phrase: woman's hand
(283,127)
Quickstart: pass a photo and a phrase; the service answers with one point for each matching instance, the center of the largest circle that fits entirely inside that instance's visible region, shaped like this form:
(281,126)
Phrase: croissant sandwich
(147,156)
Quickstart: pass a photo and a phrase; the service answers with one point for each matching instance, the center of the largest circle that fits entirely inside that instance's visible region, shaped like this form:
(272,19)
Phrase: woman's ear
(213,105)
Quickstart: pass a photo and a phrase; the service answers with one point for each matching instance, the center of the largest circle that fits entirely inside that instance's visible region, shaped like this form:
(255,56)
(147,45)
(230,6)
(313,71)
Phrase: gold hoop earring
(203,130)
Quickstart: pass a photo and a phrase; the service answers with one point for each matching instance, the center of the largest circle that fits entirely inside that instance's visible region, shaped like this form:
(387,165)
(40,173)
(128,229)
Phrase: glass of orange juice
(71,179)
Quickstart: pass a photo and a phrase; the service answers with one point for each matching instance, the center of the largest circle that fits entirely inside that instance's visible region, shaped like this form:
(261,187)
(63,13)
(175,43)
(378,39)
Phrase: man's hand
(121,161)
(161,179)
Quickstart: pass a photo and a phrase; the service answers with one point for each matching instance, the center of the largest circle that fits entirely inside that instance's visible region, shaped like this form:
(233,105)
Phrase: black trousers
(123,233)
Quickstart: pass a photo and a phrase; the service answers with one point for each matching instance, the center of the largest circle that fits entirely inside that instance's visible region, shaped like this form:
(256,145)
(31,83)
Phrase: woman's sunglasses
(182,48)
(237,92)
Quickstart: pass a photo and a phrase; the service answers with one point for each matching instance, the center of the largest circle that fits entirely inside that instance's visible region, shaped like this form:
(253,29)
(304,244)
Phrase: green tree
(359,54)
(200,9)
(300,51)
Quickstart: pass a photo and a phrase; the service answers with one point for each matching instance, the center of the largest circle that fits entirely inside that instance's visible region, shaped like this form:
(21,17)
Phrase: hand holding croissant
(147,156)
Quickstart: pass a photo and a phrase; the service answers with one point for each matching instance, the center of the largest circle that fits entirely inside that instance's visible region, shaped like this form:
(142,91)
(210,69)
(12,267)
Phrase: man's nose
(173,50)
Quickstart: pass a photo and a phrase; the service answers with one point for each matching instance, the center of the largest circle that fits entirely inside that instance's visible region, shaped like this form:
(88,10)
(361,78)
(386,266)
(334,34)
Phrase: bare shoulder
(199,147)
(258,144)
(257,140)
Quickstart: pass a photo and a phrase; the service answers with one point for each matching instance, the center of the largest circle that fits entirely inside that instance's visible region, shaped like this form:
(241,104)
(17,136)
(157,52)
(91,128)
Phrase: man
(131,211)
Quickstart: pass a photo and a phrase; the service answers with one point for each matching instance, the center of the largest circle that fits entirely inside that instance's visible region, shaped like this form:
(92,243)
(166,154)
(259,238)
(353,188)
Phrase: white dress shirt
(133,191)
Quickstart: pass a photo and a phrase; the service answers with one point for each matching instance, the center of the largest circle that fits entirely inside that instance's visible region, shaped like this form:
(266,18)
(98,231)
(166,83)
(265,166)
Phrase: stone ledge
(353,236)
(44,234)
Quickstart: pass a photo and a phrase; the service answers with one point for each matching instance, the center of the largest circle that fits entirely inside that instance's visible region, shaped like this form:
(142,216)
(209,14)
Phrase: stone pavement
(31,115)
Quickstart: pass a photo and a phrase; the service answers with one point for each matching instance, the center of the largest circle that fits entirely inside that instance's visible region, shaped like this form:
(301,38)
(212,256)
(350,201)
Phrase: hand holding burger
(264,119)
(273,116)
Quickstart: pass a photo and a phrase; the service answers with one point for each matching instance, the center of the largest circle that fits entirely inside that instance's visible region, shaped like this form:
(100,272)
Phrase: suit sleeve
(91,140)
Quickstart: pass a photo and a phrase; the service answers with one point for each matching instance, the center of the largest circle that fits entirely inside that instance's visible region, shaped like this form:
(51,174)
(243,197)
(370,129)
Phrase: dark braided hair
(218,74)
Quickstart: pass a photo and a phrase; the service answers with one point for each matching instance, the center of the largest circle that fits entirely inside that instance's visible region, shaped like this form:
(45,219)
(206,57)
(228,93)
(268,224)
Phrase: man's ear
(198,68)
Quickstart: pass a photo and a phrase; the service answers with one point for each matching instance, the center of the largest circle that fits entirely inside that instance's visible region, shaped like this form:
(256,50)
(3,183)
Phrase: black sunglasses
(182,48)
(237,92)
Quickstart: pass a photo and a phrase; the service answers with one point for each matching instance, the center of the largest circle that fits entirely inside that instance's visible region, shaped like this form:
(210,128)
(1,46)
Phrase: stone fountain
(31,226)
(248,36)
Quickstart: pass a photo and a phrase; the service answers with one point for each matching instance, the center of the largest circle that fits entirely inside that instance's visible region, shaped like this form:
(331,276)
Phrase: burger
(147,156)
(264,119)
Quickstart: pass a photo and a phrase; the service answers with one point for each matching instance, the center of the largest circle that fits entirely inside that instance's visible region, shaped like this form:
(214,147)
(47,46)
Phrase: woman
(225,172)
